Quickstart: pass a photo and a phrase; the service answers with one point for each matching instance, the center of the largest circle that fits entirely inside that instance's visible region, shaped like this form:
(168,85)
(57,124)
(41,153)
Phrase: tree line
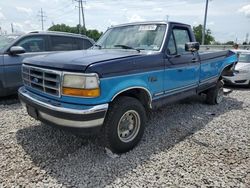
(91,33)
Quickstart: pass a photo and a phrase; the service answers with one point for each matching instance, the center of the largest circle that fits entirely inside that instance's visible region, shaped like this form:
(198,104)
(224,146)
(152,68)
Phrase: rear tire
(124,124)
(215,94)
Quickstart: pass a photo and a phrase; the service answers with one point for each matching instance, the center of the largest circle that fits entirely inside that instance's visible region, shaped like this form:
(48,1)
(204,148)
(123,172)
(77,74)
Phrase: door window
(171,49)
(87,44)
(32,44)
(59,43)
(181,37)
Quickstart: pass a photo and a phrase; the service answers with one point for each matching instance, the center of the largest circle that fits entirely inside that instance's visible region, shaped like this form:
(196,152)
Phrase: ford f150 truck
(132,69)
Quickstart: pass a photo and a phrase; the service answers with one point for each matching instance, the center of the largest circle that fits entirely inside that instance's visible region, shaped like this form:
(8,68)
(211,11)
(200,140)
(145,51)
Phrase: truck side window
(83,44)
(181,37)
(171,49)
(33,44)
(87,44)
(62,43)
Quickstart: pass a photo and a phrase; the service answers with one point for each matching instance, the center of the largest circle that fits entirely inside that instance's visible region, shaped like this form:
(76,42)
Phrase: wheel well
(227,71)
(140,94)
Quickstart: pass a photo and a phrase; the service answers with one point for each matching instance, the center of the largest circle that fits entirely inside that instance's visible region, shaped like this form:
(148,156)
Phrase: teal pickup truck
(110,88)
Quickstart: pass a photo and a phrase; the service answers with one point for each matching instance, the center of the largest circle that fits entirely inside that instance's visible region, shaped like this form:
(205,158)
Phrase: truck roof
(59,33)
(150,22)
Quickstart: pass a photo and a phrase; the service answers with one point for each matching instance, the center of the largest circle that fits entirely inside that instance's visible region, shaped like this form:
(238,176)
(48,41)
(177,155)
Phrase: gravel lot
(189,144)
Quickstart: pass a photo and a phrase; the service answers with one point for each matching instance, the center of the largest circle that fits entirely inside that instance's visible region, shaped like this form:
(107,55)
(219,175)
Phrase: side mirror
(15,50)
(192,46)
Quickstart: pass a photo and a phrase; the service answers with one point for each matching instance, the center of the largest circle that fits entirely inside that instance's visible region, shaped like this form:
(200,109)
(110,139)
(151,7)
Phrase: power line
(62,15)
(42,17)
(58,9)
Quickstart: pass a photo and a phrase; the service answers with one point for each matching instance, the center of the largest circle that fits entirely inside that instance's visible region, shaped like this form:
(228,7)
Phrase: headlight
(82,85)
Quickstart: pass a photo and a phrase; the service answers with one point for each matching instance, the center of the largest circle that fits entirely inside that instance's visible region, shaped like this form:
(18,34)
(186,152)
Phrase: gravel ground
(189,144)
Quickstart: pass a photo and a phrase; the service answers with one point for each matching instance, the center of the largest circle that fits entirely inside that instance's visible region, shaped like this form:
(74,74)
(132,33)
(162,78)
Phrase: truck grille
(44,80)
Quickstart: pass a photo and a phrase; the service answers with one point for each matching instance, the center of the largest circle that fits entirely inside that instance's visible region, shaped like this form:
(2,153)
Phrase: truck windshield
(244,58)
(134,37)
(6,40)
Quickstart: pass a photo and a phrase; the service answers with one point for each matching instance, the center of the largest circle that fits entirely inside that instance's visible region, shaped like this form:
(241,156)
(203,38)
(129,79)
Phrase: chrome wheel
(220,94)
(128,126)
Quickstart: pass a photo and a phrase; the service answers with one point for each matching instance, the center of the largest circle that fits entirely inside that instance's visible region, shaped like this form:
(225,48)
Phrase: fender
(118,86)
(228,62)
(135,87)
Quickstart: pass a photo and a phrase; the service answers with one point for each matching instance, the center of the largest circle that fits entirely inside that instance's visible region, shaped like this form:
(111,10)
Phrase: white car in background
(241,75)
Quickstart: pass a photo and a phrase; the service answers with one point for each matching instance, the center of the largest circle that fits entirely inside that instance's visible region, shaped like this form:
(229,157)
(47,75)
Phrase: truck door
(33,45)
(181,67)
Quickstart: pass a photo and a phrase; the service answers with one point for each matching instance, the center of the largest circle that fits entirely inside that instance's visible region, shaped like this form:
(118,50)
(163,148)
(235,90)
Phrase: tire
(215,94)
(124,124)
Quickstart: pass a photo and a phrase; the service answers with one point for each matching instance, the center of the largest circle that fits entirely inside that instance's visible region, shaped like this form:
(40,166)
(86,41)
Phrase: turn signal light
(81,92)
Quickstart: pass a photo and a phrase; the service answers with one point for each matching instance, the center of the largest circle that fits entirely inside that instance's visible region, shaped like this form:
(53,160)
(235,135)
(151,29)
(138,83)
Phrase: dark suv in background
(14,48)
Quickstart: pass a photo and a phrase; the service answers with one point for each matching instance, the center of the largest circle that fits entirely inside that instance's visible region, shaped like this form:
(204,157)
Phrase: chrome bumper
(54,112)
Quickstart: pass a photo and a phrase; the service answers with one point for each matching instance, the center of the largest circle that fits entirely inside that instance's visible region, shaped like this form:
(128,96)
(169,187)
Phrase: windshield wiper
(127,47)
(99,46)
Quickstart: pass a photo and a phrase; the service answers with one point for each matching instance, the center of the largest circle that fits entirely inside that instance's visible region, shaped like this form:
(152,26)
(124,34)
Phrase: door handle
(194,60)
(179,70)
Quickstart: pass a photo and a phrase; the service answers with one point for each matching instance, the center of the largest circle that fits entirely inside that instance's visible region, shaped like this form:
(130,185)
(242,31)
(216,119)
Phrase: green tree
(229,43)
(216,43)
(94,34)
(209,39)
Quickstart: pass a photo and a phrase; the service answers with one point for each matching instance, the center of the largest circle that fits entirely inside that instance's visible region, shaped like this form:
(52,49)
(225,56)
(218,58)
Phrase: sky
(229,20)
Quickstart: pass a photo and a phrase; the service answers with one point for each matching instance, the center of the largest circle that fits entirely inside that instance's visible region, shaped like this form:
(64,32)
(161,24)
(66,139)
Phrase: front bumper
(237,79)
(62,114)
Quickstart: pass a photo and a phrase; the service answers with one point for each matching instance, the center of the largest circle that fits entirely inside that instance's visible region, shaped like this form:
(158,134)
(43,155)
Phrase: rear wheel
(124,124)
(215,95)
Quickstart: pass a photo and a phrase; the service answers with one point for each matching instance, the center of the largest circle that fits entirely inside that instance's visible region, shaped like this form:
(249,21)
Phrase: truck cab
(110,88)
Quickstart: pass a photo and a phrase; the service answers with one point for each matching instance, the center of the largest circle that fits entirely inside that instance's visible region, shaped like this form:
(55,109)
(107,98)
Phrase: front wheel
(124,124)
(215,95)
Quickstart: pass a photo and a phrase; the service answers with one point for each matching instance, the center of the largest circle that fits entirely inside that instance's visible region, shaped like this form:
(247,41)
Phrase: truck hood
(78,60)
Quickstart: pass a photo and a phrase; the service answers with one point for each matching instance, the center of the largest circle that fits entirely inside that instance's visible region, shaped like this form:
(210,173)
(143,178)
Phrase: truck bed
(205,55)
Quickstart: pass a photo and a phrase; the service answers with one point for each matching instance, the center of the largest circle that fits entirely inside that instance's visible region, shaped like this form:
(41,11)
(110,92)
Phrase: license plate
(32,111)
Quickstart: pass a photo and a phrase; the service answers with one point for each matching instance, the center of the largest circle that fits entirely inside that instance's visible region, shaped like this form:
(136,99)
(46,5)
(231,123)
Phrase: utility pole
(167,17)
(83,19)
(204,25)
(79,6)
(247,35)
(42,18)
(80,10)
(12,28)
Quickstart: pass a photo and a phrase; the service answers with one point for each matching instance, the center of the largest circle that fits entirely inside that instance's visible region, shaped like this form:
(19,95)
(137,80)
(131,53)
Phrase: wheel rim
(220,95)
(128,126)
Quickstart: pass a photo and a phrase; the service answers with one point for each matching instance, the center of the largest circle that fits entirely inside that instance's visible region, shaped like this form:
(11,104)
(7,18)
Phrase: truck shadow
(239,88)
(83,162)
(12,99)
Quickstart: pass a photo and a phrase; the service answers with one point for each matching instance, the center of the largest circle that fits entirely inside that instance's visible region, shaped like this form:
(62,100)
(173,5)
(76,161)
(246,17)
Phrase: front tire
(215,94)
(124,124)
